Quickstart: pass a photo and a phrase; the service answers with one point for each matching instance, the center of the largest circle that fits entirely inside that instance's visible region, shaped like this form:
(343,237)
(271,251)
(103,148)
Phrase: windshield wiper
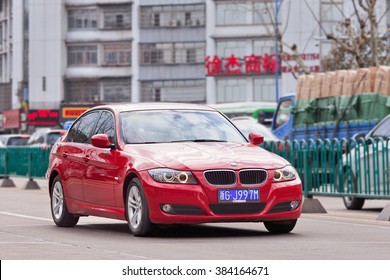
(207,140)
(197,140)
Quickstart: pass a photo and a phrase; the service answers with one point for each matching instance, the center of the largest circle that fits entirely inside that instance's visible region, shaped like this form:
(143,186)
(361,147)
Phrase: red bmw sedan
(159,163)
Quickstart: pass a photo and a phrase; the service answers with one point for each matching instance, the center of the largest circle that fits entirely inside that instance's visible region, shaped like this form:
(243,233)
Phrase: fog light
(294,204)
(167,208)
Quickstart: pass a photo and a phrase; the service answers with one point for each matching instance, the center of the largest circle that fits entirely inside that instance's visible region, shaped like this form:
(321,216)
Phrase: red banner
(11,119)
(252,65)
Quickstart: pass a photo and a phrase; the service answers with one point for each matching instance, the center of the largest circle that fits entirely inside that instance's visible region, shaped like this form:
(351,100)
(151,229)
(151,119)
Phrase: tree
(356,39)
(357,42)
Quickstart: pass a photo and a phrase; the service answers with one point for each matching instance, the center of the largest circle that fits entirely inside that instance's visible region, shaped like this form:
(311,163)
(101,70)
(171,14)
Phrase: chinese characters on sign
(252,64)
(44,117)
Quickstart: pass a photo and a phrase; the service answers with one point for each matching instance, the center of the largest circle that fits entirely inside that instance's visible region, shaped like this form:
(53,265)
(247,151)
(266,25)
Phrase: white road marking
(25,216)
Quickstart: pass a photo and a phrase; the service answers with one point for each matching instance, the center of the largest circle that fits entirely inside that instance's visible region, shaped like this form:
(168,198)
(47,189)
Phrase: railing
(30,162)
(339,167)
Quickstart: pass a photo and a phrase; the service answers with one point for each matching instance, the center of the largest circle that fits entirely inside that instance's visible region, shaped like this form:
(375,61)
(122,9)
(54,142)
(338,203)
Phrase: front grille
(220,177)
(237,208)
(253,176)
(186,210)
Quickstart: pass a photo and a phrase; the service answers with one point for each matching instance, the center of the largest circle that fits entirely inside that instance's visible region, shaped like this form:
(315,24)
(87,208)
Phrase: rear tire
(280,226)
(137,211)
(351,202)
(59,210)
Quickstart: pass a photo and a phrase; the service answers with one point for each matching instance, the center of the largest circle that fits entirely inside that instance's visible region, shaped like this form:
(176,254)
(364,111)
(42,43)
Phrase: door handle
(86,158)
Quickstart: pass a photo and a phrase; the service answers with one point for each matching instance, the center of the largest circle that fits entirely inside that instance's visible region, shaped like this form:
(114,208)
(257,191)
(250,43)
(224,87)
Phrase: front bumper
(190,204)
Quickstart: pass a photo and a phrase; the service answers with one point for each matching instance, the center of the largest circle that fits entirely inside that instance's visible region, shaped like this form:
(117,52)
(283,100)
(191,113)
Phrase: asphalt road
(28,233)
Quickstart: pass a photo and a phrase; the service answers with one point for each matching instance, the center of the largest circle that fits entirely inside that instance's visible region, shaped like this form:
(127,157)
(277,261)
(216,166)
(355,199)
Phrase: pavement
(333,206)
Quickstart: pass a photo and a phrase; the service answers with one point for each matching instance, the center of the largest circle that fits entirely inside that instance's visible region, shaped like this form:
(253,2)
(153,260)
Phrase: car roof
(143,106)
(13,135)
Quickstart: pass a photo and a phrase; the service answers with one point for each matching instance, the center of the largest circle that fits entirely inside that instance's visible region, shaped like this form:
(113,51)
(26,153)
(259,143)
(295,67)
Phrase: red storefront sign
(44,117)
(253,64)
(11,119)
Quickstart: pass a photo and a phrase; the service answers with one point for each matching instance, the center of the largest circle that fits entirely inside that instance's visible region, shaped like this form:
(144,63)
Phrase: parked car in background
(247,125)
(14,139)
(160,164)
(45,137)
(370,171)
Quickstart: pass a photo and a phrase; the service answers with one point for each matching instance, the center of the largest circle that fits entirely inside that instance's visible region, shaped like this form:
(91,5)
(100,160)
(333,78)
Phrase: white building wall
(17,51)
(135,84)
(211,84)
(46,55)
(299,27)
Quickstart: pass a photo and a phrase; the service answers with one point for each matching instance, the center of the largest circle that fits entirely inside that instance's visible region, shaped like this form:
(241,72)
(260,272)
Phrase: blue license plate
(238,195)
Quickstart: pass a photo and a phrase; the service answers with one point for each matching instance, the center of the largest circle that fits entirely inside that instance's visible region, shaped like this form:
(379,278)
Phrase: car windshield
(17,141)
(52,137)
(165,126)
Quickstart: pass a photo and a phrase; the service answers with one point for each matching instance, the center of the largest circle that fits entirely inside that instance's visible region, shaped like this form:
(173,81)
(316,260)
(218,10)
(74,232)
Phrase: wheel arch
(53,175)
(126,182)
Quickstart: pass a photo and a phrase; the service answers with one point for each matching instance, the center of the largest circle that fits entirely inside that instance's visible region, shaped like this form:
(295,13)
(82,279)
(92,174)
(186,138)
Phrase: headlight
(287,173)
(166,175)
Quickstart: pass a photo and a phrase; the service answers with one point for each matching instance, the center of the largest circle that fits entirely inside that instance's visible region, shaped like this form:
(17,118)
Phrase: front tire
(59,210)
(351,202)
(137,211)
(280,226)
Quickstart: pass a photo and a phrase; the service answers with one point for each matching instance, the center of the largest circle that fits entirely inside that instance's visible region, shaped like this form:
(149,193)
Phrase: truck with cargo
(331,105)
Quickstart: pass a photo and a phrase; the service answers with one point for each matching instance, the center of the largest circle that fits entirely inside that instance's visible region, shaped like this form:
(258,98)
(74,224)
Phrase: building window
(106,17)
(245,12)
(118,54)
(173,16)
(331,15)
(116,90)
(82,55)
(108,90)
(231,13)
(151,54)
(264,46)
(117,17)
(82,19)
(264,12)
(388,14)
(231,90)
(235,47)
(264,89)
(174,91)
(172,53)
(81,91)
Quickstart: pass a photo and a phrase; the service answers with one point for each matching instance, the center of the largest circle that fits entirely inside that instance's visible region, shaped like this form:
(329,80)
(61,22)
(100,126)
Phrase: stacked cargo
(347,101)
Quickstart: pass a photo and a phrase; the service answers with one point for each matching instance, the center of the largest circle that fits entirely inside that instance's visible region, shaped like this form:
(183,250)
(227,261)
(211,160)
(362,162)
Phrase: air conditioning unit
(190,22)
(173,22)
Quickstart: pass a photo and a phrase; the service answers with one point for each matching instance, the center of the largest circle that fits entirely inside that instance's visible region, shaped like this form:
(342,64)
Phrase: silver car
(366,166)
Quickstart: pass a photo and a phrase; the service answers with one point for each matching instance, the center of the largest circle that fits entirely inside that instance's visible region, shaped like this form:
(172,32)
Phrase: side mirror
(101,141)
(255,138)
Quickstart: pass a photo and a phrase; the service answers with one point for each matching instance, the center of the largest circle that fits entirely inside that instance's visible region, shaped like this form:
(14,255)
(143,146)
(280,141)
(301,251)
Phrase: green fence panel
(339,167)
(18,161)
(3,158)
(30,162)
(39,162)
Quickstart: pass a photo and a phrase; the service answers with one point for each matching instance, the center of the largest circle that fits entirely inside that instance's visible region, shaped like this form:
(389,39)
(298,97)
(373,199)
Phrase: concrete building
(59,57)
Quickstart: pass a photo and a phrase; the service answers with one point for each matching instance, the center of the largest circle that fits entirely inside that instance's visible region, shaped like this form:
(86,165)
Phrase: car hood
(202,156)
